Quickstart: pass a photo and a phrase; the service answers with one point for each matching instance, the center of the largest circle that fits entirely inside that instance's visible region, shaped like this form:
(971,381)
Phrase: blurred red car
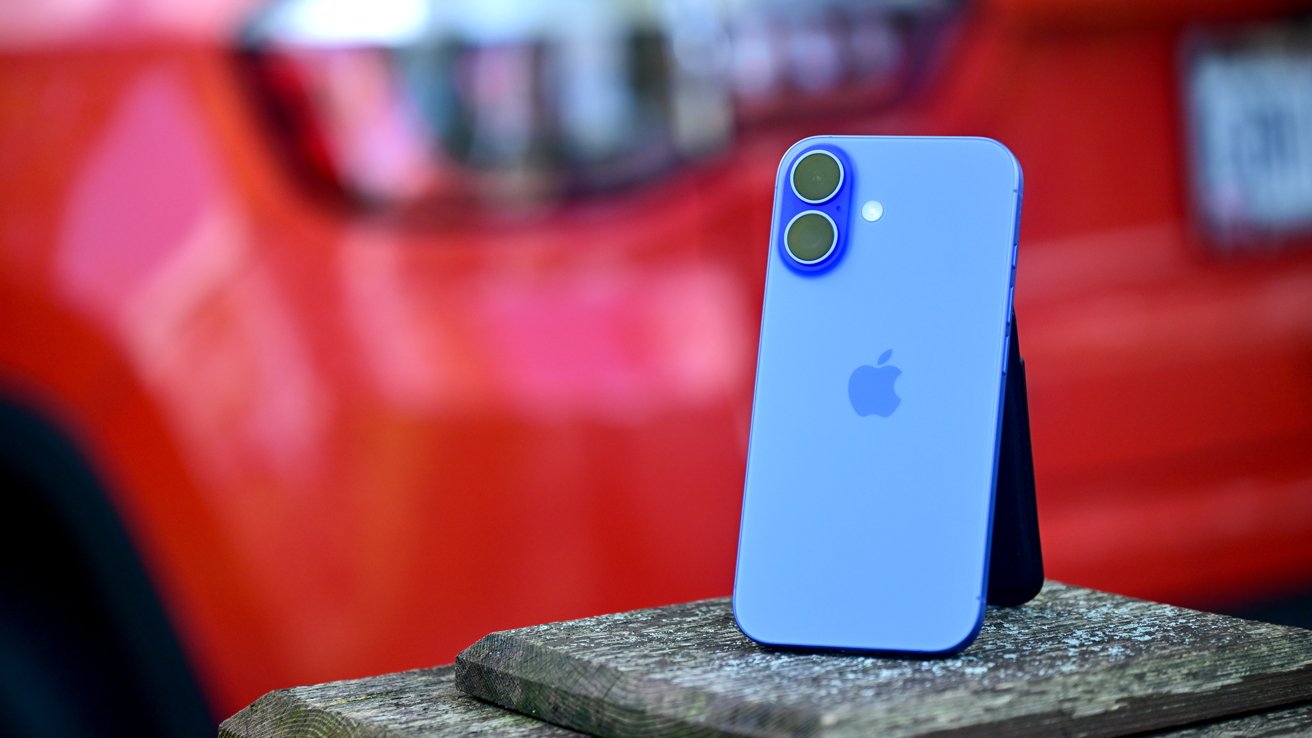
(333,342)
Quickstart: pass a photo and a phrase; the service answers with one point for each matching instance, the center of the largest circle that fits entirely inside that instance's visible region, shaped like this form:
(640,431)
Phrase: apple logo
(871,388)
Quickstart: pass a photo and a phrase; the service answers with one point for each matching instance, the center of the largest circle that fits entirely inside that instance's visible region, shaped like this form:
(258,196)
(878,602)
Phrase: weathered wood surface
(1073,661)
(423,702)
(1291,721)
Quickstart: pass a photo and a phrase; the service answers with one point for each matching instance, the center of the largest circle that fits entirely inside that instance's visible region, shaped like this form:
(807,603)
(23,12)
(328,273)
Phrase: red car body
(343,444)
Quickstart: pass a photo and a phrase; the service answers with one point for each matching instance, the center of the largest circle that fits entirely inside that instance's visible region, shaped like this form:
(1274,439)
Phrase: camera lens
(810,236)
(817,176)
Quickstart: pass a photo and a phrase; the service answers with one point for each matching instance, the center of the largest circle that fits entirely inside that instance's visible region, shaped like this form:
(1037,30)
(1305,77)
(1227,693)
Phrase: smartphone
(876,420)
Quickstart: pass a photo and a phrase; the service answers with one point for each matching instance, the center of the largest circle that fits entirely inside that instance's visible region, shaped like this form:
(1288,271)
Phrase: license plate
(1249,106)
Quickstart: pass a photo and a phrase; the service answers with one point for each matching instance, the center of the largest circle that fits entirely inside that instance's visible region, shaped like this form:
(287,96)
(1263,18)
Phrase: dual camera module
(811,236)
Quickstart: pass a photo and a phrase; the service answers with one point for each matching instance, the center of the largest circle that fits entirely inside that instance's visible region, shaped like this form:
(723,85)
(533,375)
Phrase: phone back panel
(862,531)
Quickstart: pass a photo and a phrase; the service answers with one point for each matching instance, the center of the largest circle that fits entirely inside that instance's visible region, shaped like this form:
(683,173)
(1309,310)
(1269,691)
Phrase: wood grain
(424,702)
(1073,661)
(1284,722)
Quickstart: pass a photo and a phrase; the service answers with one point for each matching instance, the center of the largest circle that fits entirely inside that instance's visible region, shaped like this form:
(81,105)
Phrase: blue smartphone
(873,454)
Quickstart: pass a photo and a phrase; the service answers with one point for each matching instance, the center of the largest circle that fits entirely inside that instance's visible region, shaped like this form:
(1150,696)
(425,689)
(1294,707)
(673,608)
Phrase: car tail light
(452,106)
(810,60)
(439,105)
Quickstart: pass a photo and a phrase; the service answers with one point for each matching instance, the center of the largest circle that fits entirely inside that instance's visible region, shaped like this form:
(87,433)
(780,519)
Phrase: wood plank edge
(281,713)
(1285,721)
(531,684)
(535,680)
(1131,713)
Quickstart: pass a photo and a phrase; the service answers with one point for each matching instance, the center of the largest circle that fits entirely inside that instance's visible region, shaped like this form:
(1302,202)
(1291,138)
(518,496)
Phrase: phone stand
(1016,557)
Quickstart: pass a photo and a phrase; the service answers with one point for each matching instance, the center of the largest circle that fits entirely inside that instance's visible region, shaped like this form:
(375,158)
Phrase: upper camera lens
(810,237)
(817,176)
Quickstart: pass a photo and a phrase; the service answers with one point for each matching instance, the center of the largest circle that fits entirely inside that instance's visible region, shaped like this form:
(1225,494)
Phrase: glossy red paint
(345,445)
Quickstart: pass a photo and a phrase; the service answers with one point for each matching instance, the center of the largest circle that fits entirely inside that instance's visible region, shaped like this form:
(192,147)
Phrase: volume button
(1006,352)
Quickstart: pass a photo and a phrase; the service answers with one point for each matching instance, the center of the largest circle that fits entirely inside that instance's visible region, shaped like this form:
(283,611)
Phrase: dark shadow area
(1294,609)
(88,649)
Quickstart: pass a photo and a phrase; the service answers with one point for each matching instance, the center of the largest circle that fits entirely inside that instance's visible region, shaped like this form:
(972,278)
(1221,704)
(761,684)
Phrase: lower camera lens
(810,237)
(817,176)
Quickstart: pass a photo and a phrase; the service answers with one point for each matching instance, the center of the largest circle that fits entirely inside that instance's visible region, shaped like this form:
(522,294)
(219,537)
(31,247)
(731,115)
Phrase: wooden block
(1073,661)
(410,704)
(423,702)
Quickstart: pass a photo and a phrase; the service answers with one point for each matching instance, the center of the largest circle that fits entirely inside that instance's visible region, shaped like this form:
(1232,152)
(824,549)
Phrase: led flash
(872,211)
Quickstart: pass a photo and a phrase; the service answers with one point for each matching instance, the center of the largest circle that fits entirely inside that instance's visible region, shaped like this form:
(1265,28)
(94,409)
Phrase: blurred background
(335,335)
